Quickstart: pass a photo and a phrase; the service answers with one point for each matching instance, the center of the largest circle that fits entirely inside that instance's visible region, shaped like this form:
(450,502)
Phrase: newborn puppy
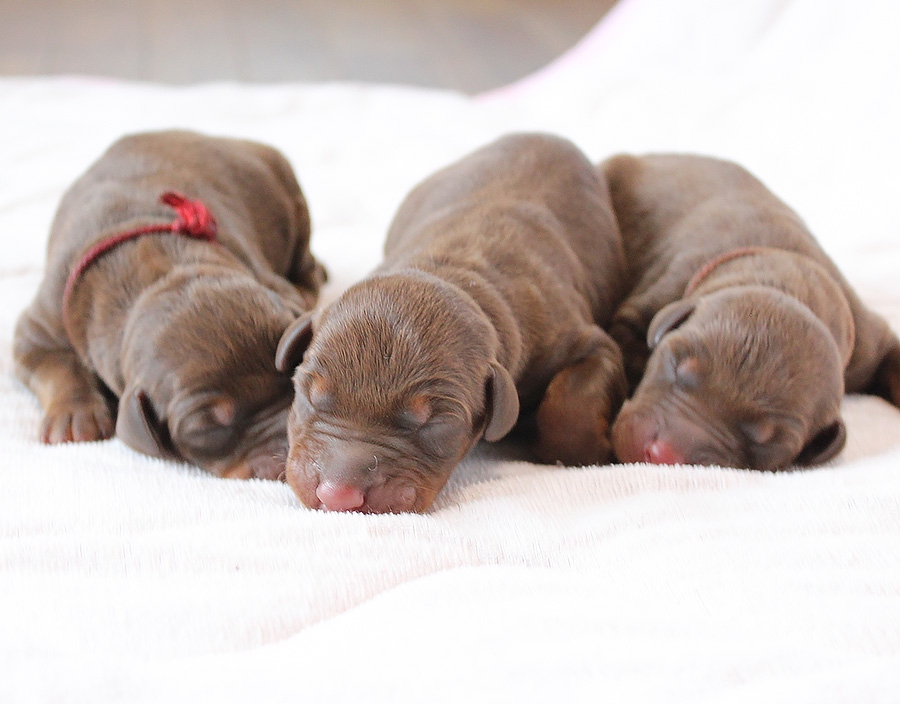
(173,306)
(498,272)
(752,334)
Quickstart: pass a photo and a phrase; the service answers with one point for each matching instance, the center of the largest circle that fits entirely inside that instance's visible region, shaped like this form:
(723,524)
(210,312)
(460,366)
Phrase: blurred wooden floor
(468,45)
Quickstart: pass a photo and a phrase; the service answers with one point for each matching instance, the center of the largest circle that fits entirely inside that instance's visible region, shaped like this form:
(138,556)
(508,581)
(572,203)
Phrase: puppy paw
(586,442)
(79,421)
(574,417)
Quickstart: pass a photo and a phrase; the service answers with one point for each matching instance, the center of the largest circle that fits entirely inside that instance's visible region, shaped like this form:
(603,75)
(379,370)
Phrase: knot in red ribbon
(194,218)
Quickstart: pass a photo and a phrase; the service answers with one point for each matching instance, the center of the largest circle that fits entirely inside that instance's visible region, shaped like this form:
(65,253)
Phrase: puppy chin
(263,463)
(238,471)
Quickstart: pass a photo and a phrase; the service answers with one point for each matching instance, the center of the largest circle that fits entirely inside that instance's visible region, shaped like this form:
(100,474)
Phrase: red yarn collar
(705,270)
(194,220)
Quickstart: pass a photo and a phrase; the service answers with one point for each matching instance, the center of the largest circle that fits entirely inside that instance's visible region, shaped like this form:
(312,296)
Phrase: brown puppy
(498,271)
(136,306)
(754,333)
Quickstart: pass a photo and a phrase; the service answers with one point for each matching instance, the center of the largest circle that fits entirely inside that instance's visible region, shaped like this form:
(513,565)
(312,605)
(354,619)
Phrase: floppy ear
(826,444)
(502,403)
(293,343)
(139,427)
(668,319)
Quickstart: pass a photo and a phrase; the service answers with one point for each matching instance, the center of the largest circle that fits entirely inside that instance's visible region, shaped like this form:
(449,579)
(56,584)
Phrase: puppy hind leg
(576,413)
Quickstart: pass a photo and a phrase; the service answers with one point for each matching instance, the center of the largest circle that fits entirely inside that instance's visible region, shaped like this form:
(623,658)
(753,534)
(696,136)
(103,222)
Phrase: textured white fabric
(128,579)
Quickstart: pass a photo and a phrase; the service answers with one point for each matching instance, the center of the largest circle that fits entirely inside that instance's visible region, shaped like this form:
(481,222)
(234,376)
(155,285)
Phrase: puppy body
(498,272)
(749,360)
(181,332)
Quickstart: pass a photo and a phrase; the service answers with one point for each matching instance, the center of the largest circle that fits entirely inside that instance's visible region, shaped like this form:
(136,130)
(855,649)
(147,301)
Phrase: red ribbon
(708,268)
(194,221)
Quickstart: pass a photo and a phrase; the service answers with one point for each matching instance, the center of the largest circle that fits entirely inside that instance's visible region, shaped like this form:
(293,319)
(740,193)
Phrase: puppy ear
(139,427)
(502,405)
(826,444)
(668,319)
(293,343)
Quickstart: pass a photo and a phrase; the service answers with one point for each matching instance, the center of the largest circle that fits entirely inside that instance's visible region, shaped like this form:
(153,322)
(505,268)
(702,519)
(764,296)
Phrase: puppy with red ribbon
(174,265)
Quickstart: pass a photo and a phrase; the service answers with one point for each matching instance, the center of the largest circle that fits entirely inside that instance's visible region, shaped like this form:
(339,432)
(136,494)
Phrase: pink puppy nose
(339,497)
(661,452)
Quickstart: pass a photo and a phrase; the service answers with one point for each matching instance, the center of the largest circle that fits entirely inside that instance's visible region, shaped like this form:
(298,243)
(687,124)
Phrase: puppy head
(745,377)
(396,384)
(200,383)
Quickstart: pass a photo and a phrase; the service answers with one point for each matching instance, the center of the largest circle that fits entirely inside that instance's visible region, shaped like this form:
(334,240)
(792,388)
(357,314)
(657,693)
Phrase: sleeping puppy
(174,265)
(498,272)
(752,334)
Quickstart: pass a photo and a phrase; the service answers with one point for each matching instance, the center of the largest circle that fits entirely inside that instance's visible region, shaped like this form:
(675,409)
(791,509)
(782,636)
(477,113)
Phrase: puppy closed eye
(210,428)
(318,392)
(444,435)
(414,413)
(438,432)
(218,413)
(760,432)
(686,372)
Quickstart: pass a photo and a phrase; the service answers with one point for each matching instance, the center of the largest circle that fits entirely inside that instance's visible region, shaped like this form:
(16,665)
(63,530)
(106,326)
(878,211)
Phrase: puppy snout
(339,497)
(344,473)
(661,452)
(637,438)
(339,475)
(351,463)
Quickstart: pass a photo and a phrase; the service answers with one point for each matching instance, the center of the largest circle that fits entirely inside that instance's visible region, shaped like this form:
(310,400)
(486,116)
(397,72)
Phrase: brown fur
(498,272)
(749,369)
(181,333)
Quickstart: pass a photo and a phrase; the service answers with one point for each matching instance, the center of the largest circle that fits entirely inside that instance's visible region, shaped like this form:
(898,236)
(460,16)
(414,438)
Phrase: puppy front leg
(629,329)
(577,410)
(75,407)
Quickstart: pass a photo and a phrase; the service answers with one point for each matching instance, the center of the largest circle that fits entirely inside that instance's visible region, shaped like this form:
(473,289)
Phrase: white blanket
(129,579)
